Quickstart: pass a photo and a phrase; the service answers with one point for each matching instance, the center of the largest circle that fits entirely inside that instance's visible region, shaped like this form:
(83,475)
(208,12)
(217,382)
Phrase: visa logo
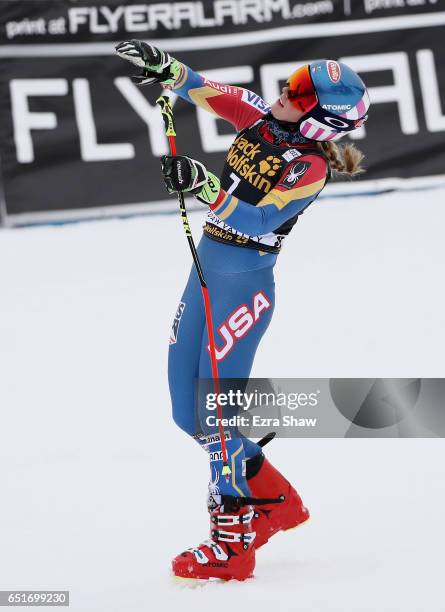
(255,100)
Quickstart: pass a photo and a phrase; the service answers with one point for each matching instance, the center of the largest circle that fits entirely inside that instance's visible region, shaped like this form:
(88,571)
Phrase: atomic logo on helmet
(332,97)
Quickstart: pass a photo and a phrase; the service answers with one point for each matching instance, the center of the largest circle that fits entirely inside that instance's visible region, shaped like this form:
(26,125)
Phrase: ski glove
(182,173)
(157,66)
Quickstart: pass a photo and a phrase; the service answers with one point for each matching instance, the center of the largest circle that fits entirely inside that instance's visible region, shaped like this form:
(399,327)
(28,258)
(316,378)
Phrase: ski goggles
(301,91)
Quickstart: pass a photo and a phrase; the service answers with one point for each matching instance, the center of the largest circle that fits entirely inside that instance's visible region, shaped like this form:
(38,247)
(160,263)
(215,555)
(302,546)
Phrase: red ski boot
(229,553)
(266,482)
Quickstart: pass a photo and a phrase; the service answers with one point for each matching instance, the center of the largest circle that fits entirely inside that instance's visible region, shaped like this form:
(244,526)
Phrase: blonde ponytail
(345,158)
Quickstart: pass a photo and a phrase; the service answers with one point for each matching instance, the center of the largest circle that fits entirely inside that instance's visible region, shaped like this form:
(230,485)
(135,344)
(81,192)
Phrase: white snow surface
(99,489)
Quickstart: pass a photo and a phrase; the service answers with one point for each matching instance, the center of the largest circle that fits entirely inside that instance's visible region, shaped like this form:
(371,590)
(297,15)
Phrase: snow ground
(98,489)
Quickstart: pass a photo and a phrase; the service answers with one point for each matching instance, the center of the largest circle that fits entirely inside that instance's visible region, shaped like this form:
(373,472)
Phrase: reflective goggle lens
(301,90)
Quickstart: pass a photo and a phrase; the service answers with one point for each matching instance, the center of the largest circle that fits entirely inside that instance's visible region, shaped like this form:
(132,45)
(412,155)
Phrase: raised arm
(240,107)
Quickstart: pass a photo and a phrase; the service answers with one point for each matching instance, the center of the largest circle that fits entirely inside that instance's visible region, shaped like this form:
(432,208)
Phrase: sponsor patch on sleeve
(255,100)
(295,174)
(226,89)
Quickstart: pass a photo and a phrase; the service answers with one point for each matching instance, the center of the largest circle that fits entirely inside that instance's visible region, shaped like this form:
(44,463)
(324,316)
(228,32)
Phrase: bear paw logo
(270,165)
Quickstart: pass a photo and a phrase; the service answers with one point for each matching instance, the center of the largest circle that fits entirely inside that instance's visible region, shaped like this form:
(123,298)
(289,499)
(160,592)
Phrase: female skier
(277,165)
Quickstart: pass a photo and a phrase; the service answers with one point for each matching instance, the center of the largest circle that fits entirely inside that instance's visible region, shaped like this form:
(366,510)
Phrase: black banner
(77,136)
